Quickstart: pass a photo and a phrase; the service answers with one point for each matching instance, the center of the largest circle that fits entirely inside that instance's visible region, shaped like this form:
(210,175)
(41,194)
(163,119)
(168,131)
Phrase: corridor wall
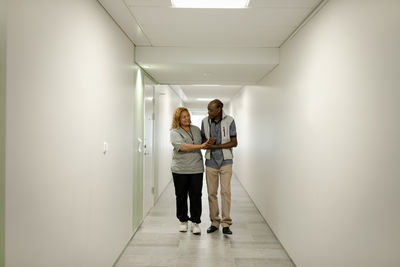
(3,35)
(166,101)
(70,88)
(318,137)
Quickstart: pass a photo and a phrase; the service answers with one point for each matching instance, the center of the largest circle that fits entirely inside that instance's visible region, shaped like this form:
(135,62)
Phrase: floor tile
(159,243)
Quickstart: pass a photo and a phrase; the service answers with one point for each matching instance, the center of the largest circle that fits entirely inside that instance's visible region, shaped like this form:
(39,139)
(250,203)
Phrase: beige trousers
(213,178)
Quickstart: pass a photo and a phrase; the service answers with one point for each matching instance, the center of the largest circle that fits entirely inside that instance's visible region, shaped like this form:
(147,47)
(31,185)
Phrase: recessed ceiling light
(210,3)
(205,99)
(207,85)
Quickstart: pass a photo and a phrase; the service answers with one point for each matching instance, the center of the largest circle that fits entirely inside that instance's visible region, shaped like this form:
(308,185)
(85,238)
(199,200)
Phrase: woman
(187,169)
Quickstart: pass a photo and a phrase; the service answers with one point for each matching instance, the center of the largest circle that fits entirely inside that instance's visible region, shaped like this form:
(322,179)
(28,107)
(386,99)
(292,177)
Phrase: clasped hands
(209,143)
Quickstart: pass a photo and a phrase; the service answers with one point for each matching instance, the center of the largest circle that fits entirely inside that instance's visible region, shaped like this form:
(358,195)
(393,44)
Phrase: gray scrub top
(186,162)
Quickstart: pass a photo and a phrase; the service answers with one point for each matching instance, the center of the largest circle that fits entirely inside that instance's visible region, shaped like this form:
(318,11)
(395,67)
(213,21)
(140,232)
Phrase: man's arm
(232,143)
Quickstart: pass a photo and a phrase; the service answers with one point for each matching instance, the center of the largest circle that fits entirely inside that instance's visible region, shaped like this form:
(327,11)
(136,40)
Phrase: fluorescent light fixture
(210,3)
(145,66)
(207,85)
(205,99)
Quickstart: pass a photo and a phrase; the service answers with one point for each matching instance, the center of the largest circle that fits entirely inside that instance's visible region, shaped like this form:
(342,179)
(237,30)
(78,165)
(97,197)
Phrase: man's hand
(209,143)
(232,143)
(212,140)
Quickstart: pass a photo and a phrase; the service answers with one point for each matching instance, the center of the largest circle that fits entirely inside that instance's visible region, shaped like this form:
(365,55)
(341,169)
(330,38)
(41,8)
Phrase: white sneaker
(196,229)
(183,227)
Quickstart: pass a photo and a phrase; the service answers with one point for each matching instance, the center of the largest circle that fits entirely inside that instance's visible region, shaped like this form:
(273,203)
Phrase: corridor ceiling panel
(205,65)
(223,92)
(195,34)
(249,27)
(284,3)
(209,73)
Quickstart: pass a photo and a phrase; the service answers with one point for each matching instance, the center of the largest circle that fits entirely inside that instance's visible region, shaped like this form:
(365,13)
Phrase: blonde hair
(177,116)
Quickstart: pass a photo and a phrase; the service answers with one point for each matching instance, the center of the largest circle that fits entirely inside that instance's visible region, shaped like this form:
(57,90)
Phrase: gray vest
(225,124)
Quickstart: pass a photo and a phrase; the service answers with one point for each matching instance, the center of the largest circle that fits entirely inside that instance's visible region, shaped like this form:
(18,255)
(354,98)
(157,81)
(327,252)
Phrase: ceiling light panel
(210,3)
(205,99)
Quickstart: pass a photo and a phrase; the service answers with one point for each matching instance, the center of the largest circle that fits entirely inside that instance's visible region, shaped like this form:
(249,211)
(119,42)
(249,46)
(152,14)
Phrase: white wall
(166,101)
(319,146)
(69,89)
(3,35)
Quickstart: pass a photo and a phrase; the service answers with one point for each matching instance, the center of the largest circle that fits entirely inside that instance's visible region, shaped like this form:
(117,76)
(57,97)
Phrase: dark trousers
(188,184)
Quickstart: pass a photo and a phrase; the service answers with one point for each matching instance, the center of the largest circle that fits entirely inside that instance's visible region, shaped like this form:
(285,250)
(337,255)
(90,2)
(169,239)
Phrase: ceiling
(210,91)
(250,27)
(208,46)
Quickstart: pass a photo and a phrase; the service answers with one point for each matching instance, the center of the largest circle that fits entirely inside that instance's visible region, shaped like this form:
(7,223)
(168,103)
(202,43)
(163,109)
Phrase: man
(220,129)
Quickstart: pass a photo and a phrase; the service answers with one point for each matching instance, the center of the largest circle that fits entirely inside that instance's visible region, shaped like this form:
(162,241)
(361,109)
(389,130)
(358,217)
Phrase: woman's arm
(190,147)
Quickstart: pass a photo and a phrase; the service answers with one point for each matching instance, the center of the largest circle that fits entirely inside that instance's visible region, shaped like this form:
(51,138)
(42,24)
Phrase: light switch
(105,148)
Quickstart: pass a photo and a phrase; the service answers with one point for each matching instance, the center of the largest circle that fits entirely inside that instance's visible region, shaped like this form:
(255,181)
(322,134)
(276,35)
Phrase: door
(148,181)
(138,141)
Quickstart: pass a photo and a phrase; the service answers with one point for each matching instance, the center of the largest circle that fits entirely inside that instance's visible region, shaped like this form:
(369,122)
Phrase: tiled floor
(158,242)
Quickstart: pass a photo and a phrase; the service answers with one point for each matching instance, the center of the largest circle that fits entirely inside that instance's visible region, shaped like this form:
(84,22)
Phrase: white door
(148,183)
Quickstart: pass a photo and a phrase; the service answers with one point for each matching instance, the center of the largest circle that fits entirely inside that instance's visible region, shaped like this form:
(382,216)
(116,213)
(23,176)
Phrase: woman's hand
(204,145)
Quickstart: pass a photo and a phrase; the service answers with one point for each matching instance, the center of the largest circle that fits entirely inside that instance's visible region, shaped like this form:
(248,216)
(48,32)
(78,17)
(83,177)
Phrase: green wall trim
(3,35)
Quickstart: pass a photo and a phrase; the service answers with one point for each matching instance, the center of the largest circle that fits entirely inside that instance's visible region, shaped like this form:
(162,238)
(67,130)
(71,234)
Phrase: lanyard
(190,134)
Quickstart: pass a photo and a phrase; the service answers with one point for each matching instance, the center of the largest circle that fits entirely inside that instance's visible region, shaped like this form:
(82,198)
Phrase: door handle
(140,145)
